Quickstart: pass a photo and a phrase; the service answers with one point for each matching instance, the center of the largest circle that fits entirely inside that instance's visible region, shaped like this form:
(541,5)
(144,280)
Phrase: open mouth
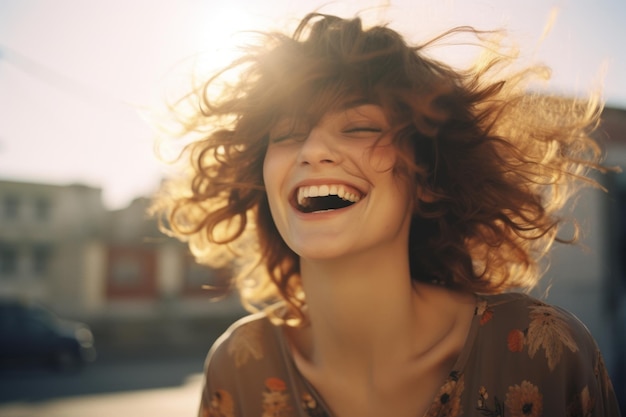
(318,198)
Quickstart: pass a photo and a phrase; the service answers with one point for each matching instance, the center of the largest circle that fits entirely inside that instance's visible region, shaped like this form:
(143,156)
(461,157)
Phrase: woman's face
(331,188)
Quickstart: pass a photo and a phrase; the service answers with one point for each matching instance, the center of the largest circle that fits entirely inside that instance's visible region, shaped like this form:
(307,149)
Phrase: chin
(321,253)
(318,255)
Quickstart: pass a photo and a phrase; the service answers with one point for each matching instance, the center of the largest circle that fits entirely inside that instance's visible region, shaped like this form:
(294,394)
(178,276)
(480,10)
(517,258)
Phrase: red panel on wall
(131,272)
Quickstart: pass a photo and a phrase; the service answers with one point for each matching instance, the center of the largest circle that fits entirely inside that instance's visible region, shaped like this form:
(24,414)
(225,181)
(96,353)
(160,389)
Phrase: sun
(224,30)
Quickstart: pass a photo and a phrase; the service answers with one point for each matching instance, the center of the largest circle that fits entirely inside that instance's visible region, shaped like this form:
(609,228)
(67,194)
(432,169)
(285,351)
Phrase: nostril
(325,161)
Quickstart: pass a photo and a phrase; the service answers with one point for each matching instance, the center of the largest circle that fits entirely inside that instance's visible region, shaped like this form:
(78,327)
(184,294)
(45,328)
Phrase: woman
(395,202)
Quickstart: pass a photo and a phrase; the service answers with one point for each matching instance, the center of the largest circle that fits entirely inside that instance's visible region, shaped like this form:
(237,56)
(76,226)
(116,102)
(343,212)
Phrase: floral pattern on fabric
(483,310)
(548,329)
(524,400)
(246,343)
(516,340)
(483,404)
(311,406)
(447,403)
(221,405)
(276,399)
(602,375)
(582,405)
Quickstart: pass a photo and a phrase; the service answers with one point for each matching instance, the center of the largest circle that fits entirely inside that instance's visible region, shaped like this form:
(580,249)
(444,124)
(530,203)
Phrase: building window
(41,258)
(11,207)
(8,259)
(42,208)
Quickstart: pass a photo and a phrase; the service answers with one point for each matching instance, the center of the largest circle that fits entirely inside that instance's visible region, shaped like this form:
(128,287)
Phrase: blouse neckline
(298,380)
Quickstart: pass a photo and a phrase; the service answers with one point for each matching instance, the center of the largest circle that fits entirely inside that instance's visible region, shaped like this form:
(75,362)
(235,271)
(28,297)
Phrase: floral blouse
(522,358)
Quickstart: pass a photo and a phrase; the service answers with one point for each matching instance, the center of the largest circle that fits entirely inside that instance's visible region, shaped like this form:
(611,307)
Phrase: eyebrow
(351,104)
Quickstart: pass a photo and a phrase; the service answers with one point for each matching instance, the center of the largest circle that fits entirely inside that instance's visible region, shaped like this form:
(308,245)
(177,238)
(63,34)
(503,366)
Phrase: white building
(61,247)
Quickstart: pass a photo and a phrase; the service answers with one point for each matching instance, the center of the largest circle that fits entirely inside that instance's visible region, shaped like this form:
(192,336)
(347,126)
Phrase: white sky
(73,73)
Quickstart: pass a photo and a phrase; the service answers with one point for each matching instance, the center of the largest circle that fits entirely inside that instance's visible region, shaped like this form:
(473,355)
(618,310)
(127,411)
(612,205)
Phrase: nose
(318,148)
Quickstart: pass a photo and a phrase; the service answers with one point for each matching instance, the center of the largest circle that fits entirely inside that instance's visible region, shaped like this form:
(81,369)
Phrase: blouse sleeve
(534,359)
(217,392)
(607,404)
(245,373)
(586,368)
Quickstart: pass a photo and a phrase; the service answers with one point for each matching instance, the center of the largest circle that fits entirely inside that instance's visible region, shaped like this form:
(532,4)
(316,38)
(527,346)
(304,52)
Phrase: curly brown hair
(496,160)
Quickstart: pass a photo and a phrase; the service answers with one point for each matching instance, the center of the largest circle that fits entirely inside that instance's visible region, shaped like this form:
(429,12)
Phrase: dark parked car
(32,335)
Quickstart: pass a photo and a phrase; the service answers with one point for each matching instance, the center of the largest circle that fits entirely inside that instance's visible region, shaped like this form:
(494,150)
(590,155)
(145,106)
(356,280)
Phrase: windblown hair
(496,160)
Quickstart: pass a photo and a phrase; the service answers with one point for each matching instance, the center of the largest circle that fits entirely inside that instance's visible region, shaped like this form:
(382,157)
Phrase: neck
(357,305)
(373,334)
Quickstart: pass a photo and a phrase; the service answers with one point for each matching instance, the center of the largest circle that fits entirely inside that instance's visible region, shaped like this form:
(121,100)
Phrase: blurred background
(113,310)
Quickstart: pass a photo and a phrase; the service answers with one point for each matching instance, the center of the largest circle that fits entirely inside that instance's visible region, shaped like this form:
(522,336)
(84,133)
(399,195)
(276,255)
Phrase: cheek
(381,159)
(274,173)
(266,169)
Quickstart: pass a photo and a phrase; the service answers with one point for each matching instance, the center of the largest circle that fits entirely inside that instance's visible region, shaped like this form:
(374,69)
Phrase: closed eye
(363,129)
(363,132)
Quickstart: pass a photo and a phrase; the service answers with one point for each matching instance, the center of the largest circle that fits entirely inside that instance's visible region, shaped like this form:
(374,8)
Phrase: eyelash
(363,129)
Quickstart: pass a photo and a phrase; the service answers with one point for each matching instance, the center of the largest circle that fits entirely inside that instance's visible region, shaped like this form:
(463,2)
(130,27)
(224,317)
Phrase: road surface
(151,387)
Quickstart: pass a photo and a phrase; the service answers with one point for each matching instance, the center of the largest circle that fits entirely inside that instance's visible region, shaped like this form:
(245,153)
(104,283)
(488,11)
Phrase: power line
(56,79)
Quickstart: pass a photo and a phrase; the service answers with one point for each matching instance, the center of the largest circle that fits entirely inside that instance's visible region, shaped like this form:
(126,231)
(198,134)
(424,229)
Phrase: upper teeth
(326,190)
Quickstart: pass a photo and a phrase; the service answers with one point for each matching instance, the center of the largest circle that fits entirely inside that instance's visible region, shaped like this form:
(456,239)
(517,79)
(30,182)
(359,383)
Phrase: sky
(81,80)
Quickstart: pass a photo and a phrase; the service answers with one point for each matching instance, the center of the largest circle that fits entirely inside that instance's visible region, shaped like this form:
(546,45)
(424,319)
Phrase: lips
(325,197)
